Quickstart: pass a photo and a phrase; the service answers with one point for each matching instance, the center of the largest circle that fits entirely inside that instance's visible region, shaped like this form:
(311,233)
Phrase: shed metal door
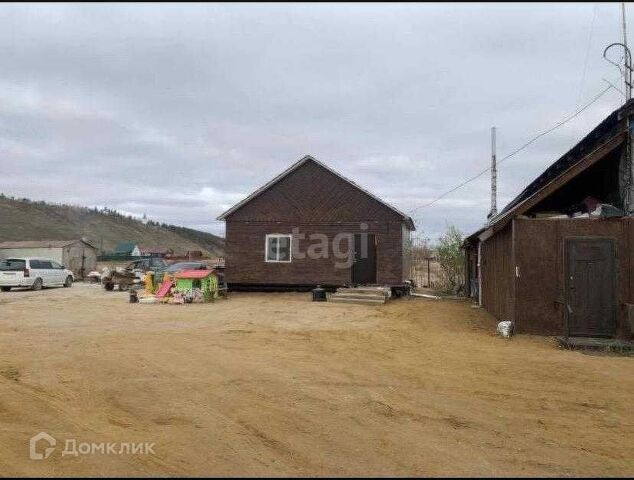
(364,263)
(591,287)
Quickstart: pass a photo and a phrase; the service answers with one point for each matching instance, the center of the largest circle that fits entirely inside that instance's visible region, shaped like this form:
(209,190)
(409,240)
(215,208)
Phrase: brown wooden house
(311,226)
(558,260)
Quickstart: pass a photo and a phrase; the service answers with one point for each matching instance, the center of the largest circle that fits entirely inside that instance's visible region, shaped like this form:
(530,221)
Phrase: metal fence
(424,268)
(426,272)
(114,257)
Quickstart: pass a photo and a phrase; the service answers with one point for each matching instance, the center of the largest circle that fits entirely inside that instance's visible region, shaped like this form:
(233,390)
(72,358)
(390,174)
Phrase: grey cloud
(205,103)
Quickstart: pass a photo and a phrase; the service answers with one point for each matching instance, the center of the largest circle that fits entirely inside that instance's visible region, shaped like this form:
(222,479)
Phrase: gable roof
(295,166)
(41,244)
(603,139)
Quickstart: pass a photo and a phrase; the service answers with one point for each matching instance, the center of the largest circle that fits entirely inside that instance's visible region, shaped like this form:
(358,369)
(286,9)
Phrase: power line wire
(614,86)
(516,151)
(585,62)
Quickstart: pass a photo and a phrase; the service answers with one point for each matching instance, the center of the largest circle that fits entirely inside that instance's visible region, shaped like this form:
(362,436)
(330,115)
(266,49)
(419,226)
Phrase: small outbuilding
(127,249)
(559,259)
(310,225)
(79,256)
(204,280)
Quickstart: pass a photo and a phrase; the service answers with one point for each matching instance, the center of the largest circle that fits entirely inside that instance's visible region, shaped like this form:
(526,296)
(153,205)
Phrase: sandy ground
(272,384)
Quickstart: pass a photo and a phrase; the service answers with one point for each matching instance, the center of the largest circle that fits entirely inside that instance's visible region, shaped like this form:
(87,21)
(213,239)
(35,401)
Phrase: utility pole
(494,178)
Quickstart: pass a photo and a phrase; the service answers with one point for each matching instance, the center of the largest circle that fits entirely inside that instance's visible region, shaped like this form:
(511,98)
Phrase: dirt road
(272,384)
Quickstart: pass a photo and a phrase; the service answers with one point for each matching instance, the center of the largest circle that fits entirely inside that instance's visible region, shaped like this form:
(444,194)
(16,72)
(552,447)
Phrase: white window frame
(290,247)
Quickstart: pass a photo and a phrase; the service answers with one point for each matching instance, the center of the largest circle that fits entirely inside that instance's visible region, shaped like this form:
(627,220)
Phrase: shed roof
(295,166)
(603,139)
(41,244)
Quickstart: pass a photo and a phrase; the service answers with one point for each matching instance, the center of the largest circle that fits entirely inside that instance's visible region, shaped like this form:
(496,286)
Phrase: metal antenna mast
(626,69)
(626,168)
(494,177)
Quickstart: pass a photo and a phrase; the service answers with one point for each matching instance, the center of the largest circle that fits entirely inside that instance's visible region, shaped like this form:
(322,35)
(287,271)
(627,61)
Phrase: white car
(34,273)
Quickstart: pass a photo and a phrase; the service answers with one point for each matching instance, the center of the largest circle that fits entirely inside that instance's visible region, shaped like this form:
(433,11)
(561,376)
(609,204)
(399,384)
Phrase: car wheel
(68,282)
(123,287)
(5,289)
(109,286)
(37,284)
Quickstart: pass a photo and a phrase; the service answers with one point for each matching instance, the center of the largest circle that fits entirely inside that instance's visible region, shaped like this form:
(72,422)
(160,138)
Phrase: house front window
(278,248)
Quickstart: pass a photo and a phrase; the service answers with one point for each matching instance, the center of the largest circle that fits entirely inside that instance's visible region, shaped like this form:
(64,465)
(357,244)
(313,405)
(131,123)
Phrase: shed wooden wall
(539,255)
(471,285)
(497,270)
(629,296)
(314,200)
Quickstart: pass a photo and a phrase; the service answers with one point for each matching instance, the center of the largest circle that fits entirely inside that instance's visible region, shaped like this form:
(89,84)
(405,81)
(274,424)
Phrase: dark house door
(364,262)
(590,287)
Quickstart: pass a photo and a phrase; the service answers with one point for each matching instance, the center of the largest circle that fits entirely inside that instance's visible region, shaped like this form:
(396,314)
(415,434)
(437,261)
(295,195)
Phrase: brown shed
(312,226)
(558,259)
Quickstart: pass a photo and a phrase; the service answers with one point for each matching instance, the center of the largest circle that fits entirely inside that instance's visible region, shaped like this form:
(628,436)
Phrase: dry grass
(267,384)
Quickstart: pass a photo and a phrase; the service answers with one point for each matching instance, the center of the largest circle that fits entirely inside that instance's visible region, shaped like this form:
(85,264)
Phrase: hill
(23,219)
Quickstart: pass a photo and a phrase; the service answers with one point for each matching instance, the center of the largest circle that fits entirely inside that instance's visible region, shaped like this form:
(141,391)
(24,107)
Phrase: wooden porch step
(362,301)
(359,296)
(370,290)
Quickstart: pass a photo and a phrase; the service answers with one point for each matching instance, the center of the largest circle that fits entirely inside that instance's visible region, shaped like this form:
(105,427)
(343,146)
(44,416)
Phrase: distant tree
(451,258)
(419,247)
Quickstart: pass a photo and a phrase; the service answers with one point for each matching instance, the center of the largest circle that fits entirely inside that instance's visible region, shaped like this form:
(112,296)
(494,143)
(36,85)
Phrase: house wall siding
(245,249)
(312,200)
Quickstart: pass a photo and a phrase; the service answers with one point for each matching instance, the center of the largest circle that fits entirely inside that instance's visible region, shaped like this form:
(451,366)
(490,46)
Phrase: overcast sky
(178,111)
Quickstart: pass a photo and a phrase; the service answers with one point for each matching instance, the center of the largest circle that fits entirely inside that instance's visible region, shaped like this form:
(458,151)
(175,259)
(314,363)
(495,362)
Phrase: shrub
(451,259)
